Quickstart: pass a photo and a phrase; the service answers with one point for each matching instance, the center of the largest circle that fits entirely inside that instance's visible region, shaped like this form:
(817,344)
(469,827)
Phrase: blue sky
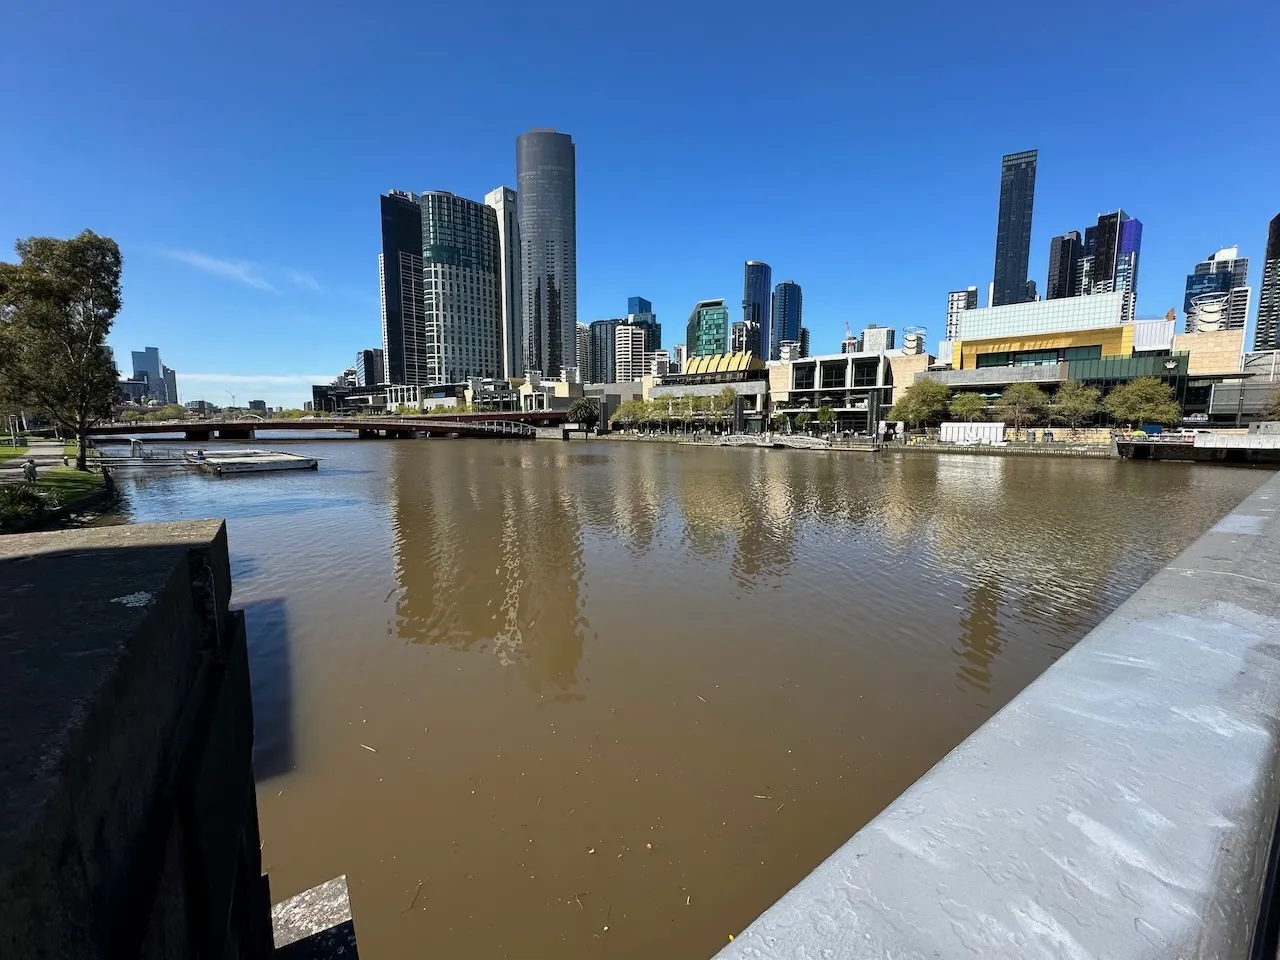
(236,151)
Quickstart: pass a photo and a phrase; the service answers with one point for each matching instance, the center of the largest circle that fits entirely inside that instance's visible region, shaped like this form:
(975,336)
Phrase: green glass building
(707,332)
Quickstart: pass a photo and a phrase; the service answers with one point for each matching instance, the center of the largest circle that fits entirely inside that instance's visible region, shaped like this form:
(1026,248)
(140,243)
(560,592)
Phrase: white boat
(247,461)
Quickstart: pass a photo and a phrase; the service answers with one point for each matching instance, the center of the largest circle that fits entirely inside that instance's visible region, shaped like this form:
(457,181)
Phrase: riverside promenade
(1122,806)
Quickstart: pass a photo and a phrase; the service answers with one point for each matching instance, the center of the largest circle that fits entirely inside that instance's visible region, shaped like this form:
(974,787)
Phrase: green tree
(803,418)
(685,412)
(57,305)
(1021,404)
(968,407)
(826,419)
(1144,400)
(724,404)
(924,402)
(1272,410)
(586,411)
(1075,404)
(778,422)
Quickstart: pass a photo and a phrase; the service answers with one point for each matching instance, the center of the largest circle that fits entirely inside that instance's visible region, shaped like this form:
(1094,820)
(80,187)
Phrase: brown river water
(613,699)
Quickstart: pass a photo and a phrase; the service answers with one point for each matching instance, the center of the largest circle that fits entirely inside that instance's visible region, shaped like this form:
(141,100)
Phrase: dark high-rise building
(1064,264)
(1109,262)
(400,276)
(1267,336)
(1013,227)
(546,206)
(757,286)
(787,310)
(640,314)
(369,368)
(601,353)
(744,337)
(804,341)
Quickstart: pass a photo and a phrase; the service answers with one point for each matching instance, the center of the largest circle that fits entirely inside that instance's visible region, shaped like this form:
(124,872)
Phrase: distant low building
(258,406)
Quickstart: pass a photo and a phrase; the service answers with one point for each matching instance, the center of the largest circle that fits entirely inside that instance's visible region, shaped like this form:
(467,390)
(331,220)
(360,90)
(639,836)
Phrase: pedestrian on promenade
(29,471)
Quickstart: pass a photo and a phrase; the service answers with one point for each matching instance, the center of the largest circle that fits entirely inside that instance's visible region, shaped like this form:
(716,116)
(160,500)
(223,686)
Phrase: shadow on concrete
(271,680)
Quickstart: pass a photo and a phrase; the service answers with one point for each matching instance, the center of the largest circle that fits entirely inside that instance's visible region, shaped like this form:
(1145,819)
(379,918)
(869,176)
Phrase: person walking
(29,471)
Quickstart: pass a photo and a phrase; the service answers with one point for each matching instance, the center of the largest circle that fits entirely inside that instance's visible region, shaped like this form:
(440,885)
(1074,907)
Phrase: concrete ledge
(1122,806)
(316,924)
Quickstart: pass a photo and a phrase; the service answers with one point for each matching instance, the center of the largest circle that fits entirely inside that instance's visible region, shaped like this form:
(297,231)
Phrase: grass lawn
(8,453)
(68,484)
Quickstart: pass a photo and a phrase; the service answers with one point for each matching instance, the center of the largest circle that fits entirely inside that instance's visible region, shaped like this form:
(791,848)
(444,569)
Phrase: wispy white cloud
(241,271)
(300,278)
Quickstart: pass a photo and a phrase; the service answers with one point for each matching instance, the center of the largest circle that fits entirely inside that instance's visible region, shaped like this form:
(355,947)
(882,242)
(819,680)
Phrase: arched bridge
(513,424)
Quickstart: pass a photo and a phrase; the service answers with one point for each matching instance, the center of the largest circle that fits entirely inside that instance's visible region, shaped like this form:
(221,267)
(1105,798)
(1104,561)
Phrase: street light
(233,400)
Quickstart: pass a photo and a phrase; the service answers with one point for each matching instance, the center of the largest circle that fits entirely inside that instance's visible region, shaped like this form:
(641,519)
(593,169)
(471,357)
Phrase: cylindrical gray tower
(546,206)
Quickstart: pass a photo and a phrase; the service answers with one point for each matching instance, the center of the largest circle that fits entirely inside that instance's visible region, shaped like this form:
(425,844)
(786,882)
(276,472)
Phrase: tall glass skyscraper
(757,285)
(1109,263)
(602,360)
(1267,336)
(503,201)
(400,276)
(1064,263)
(707,332)
(788,311)
(546,206)
(462,288)
(1013,227)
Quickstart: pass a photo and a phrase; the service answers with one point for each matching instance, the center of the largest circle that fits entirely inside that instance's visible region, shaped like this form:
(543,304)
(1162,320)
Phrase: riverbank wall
(128,817)
(1123,805)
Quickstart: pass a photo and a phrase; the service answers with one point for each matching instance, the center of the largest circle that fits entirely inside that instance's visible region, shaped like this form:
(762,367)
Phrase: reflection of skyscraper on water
(489,557)
(979,635)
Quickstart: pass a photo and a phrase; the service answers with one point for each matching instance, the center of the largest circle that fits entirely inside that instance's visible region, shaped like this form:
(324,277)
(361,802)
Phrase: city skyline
(232,253)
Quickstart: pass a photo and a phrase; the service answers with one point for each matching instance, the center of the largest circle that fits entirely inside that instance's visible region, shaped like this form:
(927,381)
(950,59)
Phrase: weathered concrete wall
(128,821)
(1122,806)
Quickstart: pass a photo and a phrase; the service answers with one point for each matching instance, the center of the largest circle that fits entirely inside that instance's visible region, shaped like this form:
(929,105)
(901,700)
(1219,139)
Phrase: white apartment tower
(503,202)
(959,301)
(630,360)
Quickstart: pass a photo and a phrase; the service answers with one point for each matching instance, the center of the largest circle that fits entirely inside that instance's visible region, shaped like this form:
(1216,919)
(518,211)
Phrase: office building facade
(1013,228)
(462,285)
(959,301)
(745,337)
(707,331)
(400,289)
(630,356)
(1217,293)
(640,313)
(1064,265)
(584,352)
(504,202)
(152,379)
(787,316)
(1267,335)
(546,205)
(679,358)
(601,354)
(370,371)
(757,300)
(1109,264)
(878,339)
